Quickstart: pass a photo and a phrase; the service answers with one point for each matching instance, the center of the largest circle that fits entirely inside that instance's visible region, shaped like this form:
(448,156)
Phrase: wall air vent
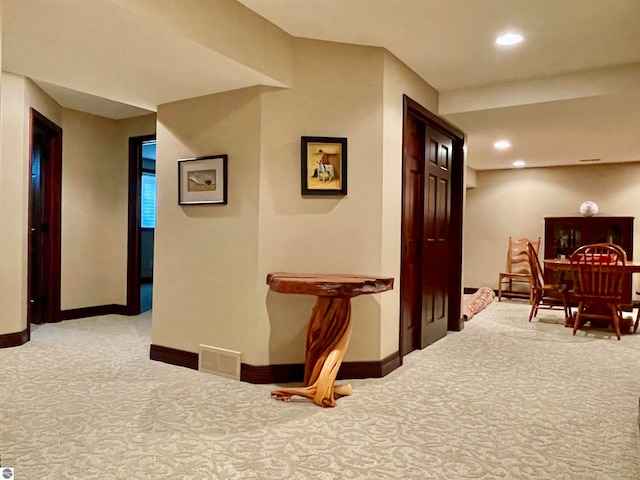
(587,160)
(219,361)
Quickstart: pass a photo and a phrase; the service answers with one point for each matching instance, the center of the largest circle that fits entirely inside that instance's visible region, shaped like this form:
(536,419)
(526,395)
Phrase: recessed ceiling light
(502,145)
(509,39)
(518,163)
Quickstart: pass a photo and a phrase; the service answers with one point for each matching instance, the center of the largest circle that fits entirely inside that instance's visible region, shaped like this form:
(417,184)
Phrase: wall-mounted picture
(324,166)
(202,180)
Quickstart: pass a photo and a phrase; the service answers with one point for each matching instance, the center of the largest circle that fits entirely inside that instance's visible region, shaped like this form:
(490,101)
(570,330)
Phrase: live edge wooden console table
(329,328)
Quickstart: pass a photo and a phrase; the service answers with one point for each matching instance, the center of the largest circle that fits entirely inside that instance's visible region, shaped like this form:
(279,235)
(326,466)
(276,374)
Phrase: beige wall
(19,95)
(13,185)
(337,93)
(95,207)
(94,201)
(515,202)
(212,261)
(206,256)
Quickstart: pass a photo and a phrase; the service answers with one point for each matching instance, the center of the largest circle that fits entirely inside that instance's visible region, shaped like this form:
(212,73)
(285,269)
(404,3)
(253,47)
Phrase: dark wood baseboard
(390,363)
(371,369)
(74,313)
(284,373)
(174,356)
(469,291)
(14,339)
(294,372)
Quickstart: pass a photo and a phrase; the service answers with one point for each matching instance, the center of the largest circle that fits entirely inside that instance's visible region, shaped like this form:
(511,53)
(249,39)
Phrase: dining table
(563,266)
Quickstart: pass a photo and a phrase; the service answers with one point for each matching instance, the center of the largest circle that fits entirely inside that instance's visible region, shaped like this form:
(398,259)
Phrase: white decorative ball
(588,208)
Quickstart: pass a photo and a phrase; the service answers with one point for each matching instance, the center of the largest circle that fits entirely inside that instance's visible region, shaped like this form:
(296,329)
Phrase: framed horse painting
(324,165)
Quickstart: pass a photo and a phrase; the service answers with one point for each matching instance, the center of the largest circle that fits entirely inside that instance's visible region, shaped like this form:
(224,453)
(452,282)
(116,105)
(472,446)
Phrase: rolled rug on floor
(477,302)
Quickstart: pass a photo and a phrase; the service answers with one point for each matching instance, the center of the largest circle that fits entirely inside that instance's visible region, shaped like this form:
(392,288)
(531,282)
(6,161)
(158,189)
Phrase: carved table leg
(327,341)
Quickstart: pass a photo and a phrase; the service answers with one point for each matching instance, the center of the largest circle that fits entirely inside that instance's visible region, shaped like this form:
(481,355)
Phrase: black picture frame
(323,162)
(202,180)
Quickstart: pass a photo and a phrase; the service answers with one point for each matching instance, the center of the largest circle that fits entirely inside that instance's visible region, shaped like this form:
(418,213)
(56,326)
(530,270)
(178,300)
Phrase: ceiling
(126,63)
(569,92)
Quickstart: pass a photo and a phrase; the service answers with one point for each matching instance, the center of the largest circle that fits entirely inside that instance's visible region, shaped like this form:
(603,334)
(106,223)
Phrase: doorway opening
(44,238)
(431,265)
(142,215)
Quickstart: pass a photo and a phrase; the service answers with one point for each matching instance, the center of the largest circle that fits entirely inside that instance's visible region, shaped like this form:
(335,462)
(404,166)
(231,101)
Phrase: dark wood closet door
(435,236)
(39,244)
(410,310)
(44,220)
(429,282)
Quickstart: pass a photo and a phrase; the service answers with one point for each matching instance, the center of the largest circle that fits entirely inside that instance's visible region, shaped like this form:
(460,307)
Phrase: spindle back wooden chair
(598,274)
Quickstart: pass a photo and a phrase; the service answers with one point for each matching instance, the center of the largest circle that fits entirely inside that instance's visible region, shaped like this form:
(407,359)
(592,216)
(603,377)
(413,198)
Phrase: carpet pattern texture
(502,399)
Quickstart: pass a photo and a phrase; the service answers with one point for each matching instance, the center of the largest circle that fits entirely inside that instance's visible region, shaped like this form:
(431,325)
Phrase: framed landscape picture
(202,180)
(323,165)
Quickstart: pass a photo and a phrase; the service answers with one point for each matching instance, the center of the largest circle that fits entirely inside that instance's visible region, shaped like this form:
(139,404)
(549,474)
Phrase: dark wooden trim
(390,363)
(370,369)
(469,291)
(287,373)
(282,373)
(436,121)
(456,322)
(15,339)
(174,356)
(112,309)
(134,267)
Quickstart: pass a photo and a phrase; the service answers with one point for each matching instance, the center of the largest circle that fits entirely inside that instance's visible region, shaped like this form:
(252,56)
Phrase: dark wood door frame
(134,266)
(51,204)
(411,107)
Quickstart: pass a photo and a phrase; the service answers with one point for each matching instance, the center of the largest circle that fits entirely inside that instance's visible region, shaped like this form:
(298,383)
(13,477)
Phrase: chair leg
(615,319)
(532,312)
(567,309)
(635,326)
(576,324)
(537,296)
(500,288)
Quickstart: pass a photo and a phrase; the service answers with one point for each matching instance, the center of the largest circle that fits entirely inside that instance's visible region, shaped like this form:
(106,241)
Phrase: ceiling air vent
(219,361)
(587,160)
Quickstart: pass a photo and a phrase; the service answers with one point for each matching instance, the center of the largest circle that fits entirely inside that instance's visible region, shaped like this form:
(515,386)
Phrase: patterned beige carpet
(504,398)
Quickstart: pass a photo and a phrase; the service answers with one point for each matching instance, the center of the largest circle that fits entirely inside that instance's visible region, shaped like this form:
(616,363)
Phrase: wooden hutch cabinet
(562,235)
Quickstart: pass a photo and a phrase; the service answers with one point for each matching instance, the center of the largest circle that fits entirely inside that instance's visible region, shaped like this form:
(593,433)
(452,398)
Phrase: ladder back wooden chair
(518,271)
(598,275)
(546,295)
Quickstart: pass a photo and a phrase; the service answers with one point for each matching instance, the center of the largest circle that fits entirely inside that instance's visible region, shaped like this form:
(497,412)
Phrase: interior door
(44,221)
(38,229)
(410,278)
(435,236)
(431,264)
